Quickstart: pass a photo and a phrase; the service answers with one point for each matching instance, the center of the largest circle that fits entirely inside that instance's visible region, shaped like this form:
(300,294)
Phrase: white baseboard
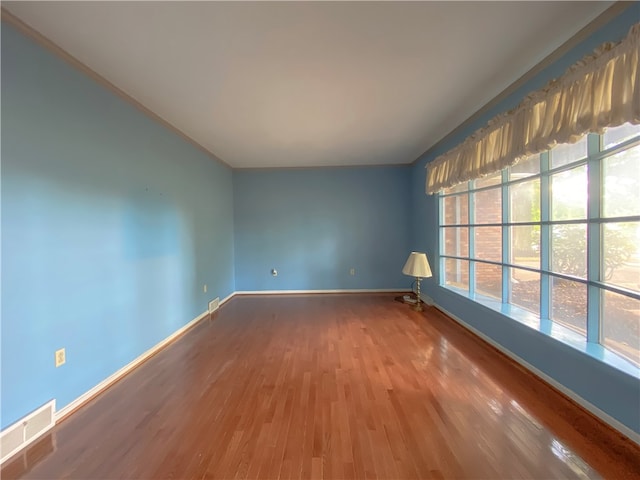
(85,397)
(227,298)
(285,292)
(78,402)
(605,417)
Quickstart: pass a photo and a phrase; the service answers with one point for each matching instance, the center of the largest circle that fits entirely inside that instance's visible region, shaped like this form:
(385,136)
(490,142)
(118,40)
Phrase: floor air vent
(26,430)
(214,304)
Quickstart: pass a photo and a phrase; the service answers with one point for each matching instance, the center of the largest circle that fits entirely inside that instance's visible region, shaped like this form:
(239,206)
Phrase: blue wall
(314,225)
(614,392)
(111,225)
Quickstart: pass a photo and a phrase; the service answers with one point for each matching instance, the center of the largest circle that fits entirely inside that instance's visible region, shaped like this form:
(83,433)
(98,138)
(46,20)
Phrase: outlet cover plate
(61,357)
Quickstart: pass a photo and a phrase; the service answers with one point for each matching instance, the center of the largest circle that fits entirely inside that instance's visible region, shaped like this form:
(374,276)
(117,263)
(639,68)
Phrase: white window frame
(593,343)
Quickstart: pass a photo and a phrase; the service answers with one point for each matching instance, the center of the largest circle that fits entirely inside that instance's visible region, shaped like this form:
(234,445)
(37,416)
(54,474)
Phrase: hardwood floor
(328,386)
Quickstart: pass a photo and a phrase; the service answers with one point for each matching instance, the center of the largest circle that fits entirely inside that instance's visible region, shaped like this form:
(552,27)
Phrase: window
(554,238)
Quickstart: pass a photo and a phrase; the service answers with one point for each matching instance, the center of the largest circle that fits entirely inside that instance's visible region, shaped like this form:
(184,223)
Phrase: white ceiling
(270,84)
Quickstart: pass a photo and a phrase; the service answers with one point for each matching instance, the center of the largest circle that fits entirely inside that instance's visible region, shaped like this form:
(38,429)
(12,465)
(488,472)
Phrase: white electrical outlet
(352,272)
(61,357)
(204,289)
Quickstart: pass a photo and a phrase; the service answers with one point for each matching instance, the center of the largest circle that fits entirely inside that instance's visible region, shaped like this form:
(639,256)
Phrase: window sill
(556,331)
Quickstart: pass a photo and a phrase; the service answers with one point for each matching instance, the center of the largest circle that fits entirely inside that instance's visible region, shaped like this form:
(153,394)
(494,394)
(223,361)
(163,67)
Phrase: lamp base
(418,306)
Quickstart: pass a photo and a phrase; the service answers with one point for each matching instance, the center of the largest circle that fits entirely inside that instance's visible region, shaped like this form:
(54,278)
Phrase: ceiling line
(32,33)
(323,167)
(601,20)
(45,42)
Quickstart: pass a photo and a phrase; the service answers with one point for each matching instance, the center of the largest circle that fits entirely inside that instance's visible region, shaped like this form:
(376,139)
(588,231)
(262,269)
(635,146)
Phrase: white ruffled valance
(602,90)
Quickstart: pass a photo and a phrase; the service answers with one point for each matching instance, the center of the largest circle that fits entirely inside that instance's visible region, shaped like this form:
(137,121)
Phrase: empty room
(340,240)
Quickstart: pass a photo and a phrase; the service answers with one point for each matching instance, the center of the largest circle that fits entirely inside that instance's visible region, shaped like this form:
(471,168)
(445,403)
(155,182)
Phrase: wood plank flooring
(328,386)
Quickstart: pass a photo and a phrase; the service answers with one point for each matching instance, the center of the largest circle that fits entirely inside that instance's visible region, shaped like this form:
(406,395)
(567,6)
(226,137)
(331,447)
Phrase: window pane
(488,243)
(456,210)
(525,289)
(619,240)
(488,206)
(621,325)
(489,280)
(569,194)
(456,273)
(525,167)
(569,249)
(621,183)
(493,179)
(568,152)
(456,241)
(524,200)
(621,254)
(525,245)
(569,304)
(616,135)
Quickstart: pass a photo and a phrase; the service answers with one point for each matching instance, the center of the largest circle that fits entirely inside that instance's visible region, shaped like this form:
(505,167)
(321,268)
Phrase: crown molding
(598,22)
(58,51)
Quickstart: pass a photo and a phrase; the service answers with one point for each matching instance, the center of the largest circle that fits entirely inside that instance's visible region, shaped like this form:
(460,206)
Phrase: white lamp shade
(417,266)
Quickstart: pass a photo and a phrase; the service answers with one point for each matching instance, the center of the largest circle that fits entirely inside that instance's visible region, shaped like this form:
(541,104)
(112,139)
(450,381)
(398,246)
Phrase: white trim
(285,292)
(605,417)
(88,395)
(227,298)
(114,377)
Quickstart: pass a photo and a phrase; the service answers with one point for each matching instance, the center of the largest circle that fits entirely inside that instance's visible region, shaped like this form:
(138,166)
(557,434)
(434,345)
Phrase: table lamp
(417,266)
